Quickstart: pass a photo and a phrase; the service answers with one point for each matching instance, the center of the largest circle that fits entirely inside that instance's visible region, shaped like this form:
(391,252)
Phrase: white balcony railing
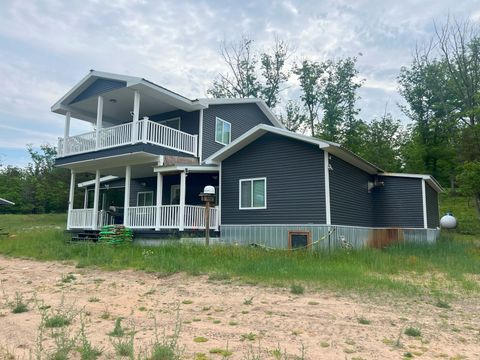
(143,131)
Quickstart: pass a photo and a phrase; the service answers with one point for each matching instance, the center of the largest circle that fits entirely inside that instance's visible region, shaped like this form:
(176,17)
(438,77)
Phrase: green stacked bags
(115,235)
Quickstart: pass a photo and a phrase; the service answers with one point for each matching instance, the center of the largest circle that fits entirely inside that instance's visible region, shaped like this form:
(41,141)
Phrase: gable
(98,87)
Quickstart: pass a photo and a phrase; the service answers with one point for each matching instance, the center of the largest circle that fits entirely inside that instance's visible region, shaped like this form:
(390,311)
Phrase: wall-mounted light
(113,101)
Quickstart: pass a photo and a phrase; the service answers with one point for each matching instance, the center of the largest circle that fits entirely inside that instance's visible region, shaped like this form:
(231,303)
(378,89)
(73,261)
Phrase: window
(145,198)
(174,194)
(173,123)
(223,133)
(253,193)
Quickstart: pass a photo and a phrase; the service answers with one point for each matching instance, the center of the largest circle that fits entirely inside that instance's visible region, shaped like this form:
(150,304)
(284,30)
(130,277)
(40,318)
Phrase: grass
(413,332)
(297,289)
(394,270)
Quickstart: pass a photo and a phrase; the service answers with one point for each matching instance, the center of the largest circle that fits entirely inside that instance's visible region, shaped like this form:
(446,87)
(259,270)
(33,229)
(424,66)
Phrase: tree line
(440,87)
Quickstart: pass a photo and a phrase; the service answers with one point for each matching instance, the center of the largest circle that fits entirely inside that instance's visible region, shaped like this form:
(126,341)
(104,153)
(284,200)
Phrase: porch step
(85,236)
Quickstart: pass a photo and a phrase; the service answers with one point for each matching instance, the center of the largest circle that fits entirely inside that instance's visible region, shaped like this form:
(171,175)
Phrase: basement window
(253,194)
(223,131)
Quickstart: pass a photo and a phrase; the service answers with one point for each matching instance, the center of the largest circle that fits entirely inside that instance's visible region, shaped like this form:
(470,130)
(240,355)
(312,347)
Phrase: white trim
(144,192)
(428,178)
(183,186)
(174,118)
(424,203)
(102,179)
(175,99)
(71,197)
(159,200)
(229,134)
(126,202)
(99,121)
(326,165)
(254,134)
(66,132)
(219,214)
(6,202)
(200,136)
(96,199)
(251,180)
(191,168)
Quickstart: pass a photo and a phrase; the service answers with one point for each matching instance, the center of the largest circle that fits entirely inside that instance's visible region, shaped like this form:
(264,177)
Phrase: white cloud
(47,46)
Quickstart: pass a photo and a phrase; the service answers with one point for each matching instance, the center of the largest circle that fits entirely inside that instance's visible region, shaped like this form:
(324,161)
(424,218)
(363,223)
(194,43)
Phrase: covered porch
(145,197)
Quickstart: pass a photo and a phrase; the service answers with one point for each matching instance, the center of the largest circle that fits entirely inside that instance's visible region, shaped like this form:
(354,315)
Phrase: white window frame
(230,134)
(251,180)
(144,192)
(162,122)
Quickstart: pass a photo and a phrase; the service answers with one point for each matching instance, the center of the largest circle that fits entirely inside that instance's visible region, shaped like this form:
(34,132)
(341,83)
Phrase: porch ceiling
(142,165)
(118,104)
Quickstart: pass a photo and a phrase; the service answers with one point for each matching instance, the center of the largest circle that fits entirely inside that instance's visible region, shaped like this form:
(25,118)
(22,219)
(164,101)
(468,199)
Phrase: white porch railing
(83,219)
(145,217)
(145,131)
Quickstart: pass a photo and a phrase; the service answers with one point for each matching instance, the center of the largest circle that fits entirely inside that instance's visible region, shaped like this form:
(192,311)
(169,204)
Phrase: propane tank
(448,221)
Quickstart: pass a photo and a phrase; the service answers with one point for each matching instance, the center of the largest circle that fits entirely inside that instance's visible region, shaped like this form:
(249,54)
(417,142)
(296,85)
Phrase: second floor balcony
(142,131)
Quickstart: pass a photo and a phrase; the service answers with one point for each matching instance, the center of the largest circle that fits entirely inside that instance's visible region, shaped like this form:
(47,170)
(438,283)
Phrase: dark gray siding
(121,150)
(350,201)
(398,203)
(136,186)
(243,117)
(433,220)
(295,182)
(188,120)
(98,87)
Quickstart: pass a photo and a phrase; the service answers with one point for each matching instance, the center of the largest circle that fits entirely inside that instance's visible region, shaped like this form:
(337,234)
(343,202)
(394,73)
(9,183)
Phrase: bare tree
(252,74)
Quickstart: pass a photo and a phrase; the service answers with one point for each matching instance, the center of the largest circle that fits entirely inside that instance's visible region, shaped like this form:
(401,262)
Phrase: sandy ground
(325,324)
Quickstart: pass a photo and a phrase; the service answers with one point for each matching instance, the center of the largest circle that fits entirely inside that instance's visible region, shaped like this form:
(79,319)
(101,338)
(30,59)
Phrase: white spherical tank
(448,221)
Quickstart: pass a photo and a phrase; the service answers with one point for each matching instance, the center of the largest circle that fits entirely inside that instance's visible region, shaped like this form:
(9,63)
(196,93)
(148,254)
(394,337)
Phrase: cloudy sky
(48,46)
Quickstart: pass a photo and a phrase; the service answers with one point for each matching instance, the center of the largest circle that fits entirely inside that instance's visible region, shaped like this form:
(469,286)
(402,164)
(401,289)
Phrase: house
(153,151)
(5,202)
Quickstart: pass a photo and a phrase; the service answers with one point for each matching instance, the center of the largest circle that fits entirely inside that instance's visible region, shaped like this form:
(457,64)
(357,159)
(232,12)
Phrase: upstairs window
(223,131)
(253,193)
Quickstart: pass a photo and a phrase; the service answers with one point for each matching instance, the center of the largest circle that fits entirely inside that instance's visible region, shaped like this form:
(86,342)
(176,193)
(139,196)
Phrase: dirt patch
(227,313)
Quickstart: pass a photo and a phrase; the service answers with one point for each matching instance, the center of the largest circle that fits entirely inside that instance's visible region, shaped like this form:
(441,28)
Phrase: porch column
(136,116)
(66,133)
(99,121)
(96,200)
(71,197)
(126,203)
(159,201)
(85,199)
(183,183)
